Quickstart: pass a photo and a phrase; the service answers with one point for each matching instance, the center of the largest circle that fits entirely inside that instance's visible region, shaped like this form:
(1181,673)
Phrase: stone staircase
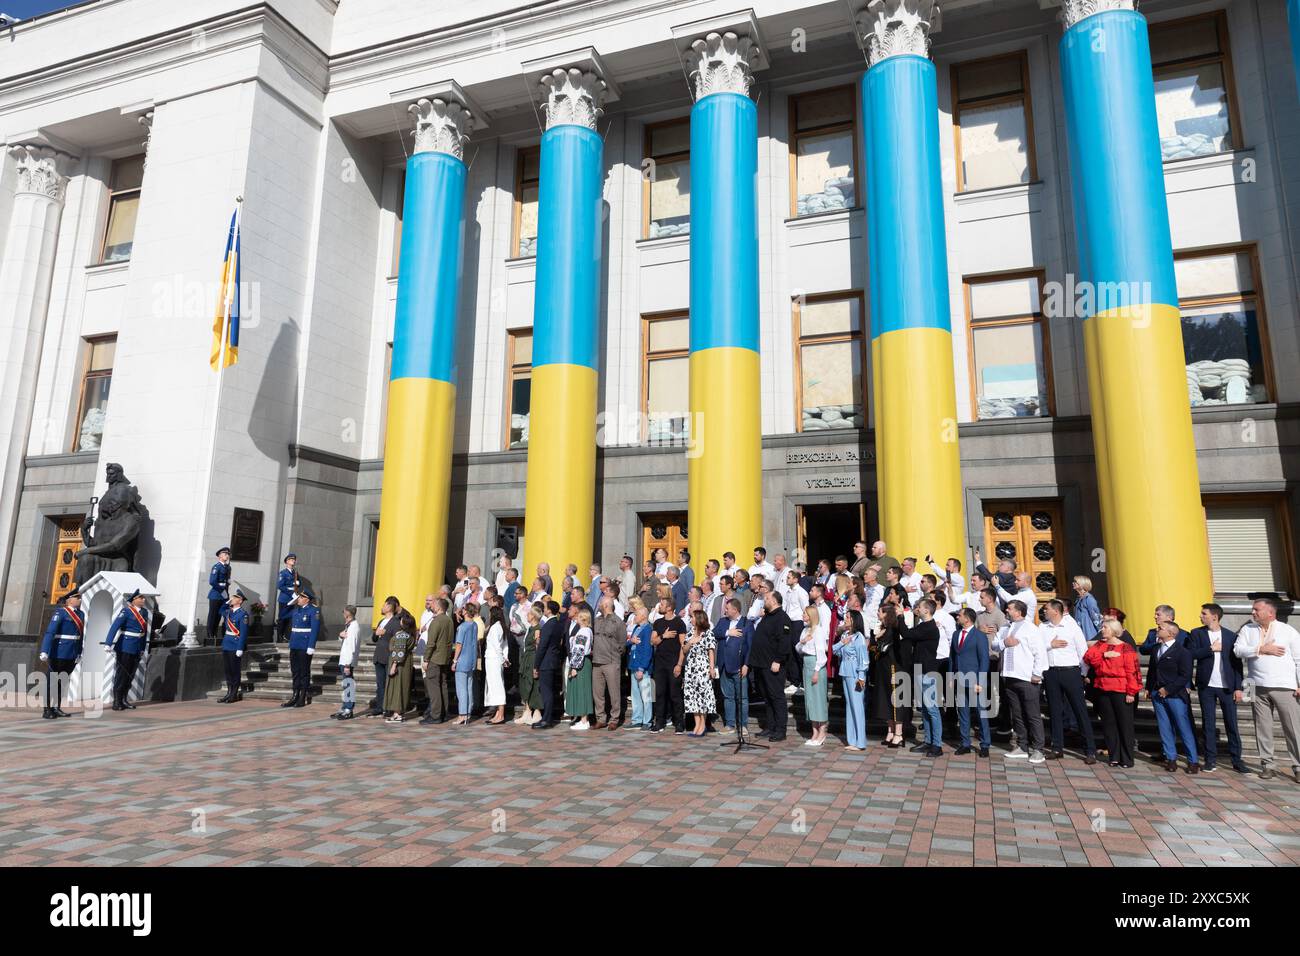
(267,673)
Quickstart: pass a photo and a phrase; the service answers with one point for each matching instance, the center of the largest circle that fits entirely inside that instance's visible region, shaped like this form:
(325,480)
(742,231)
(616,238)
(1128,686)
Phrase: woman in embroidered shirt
(851,649)
(397,689)
(578,699)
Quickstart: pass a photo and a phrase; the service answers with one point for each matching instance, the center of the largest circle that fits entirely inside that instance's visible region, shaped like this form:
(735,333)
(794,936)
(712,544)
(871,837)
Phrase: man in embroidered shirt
(1272,650)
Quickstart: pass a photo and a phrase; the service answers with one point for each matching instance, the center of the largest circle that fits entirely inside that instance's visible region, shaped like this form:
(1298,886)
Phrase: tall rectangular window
(666,193)
(92,406)
(665,378)
(823,151)
(519,387)
(527,191)
(1010,366)
(372,550)
(1250,544)
(123,203)
(383,407)
(1193,80)
(397,226)
(831,355)
(1224,340)
(991,116)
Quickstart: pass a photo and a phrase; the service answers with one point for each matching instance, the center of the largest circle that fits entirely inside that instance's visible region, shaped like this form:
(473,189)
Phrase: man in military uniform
(286,586)
(130,631)
(218,590)
(303,630)
(234,640)
(60,650)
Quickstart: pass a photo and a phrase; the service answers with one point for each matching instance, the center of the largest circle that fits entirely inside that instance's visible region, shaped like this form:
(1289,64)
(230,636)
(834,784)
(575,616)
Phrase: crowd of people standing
(977,657)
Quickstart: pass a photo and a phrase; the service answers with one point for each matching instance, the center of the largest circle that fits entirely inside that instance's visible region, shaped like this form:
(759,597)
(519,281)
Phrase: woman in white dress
(495,659)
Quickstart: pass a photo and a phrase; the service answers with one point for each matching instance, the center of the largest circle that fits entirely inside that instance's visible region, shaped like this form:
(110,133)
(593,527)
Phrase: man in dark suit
(1168,677)
(1163,613)
(1218,680)
(969,662)
(680,589)
(547,662)
(769,653)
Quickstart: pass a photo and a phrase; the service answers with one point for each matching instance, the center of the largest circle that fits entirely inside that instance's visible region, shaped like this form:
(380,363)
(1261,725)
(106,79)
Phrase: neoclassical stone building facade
(574,280)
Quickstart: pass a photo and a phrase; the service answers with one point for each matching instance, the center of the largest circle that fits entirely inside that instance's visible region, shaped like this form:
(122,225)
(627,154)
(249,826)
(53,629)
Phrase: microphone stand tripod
(742,735)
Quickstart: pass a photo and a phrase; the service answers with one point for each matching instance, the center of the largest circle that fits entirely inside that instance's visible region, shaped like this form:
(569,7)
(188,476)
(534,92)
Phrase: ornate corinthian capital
(573,97)
(42,170)
(1072,11)
(441,126)
(722,63)
(898,28)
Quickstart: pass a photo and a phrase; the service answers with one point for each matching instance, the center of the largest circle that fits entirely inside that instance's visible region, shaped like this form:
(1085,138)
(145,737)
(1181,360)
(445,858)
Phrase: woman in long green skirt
(578,699)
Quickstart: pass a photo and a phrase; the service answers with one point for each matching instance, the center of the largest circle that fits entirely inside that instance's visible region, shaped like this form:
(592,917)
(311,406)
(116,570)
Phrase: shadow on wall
(272,435)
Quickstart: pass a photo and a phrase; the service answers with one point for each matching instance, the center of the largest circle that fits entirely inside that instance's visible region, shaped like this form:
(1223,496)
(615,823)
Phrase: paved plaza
(205,784)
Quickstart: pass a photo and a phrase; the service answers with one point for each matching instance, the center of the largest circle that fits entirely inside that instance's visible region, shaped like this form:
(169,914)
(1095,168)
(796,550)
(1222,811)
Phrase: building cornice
(255,29)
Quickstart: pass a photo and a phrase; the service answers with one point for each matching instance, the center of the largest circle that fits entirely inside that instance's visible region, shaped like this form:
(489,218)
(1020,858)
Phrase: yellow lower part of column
(412,548)
(918,465)
(1156,547)
(560,501)
(725,457)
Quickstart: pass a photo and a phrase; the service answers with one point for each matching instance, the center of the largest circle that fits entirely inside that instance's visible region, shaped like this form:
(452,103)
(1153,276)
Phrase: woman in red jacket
(1116,678)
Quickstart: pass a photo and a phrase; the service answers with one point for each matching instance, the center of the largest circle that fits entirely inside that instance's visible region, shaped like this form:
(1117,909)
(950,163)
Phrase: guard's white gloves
(239,653)
(311,651)
(45,657)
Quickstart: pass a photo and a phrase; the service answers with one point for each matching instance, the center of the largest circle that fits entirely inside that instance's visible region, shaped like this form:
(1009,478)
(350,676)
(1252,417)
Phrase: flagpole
(191,638)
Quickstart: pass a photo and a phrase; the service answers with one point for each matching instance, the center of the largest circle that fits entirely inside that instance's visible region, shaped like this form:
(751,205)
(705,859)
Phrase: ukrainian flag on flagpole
(225,329)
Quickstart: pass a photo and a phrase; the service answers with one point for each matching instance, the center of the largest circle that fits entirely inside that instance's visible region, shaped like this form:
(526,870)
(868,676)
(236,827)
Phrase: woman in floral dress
(699,652)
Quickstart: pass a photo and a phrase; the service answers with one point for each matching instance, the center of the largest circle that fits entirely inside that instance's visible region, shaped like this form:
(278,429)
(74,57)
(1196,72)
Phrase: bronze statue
(110,540)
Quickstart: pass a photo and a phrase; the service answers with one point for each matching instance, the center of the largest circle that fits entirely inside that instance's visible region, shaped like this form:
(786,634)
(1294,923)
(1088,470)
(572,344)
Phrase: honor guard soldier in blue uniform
(234,639)
(286,585)
(129,630)
(303,631)
(60,649)
(218,590)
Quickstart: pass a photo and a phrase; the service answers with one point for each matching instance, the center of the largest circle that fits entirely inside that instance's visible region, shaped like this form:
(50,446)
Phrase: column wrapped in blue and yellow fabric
(411,550)
(724,456)
(1293,26)
(918,465)
(560,505)
(1153,522)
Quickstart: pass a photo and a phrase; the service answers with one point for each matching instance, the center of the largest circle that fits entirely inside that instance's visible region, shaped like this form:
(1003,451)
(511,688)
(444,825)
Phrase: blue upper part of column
(724,223)
(1120,211)
(905,224)
(428,281)
(569,221)
(1293,21)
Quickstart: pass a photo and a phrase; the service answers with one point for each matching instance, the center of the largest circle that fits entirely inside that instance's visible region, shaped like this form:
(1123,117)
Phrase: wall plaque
(246,535)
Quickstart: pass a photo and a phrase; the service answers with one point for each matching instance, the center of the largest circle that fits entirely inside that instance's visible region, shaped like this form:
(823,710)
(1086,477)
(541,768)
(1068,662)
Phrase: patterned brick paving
(203,784)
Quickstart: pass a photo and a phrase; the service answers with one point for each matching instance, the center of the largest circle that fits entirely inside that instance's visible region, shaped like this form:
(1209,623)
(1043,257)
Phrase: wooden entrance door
(1029,533)
(56,570)
(666,530)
